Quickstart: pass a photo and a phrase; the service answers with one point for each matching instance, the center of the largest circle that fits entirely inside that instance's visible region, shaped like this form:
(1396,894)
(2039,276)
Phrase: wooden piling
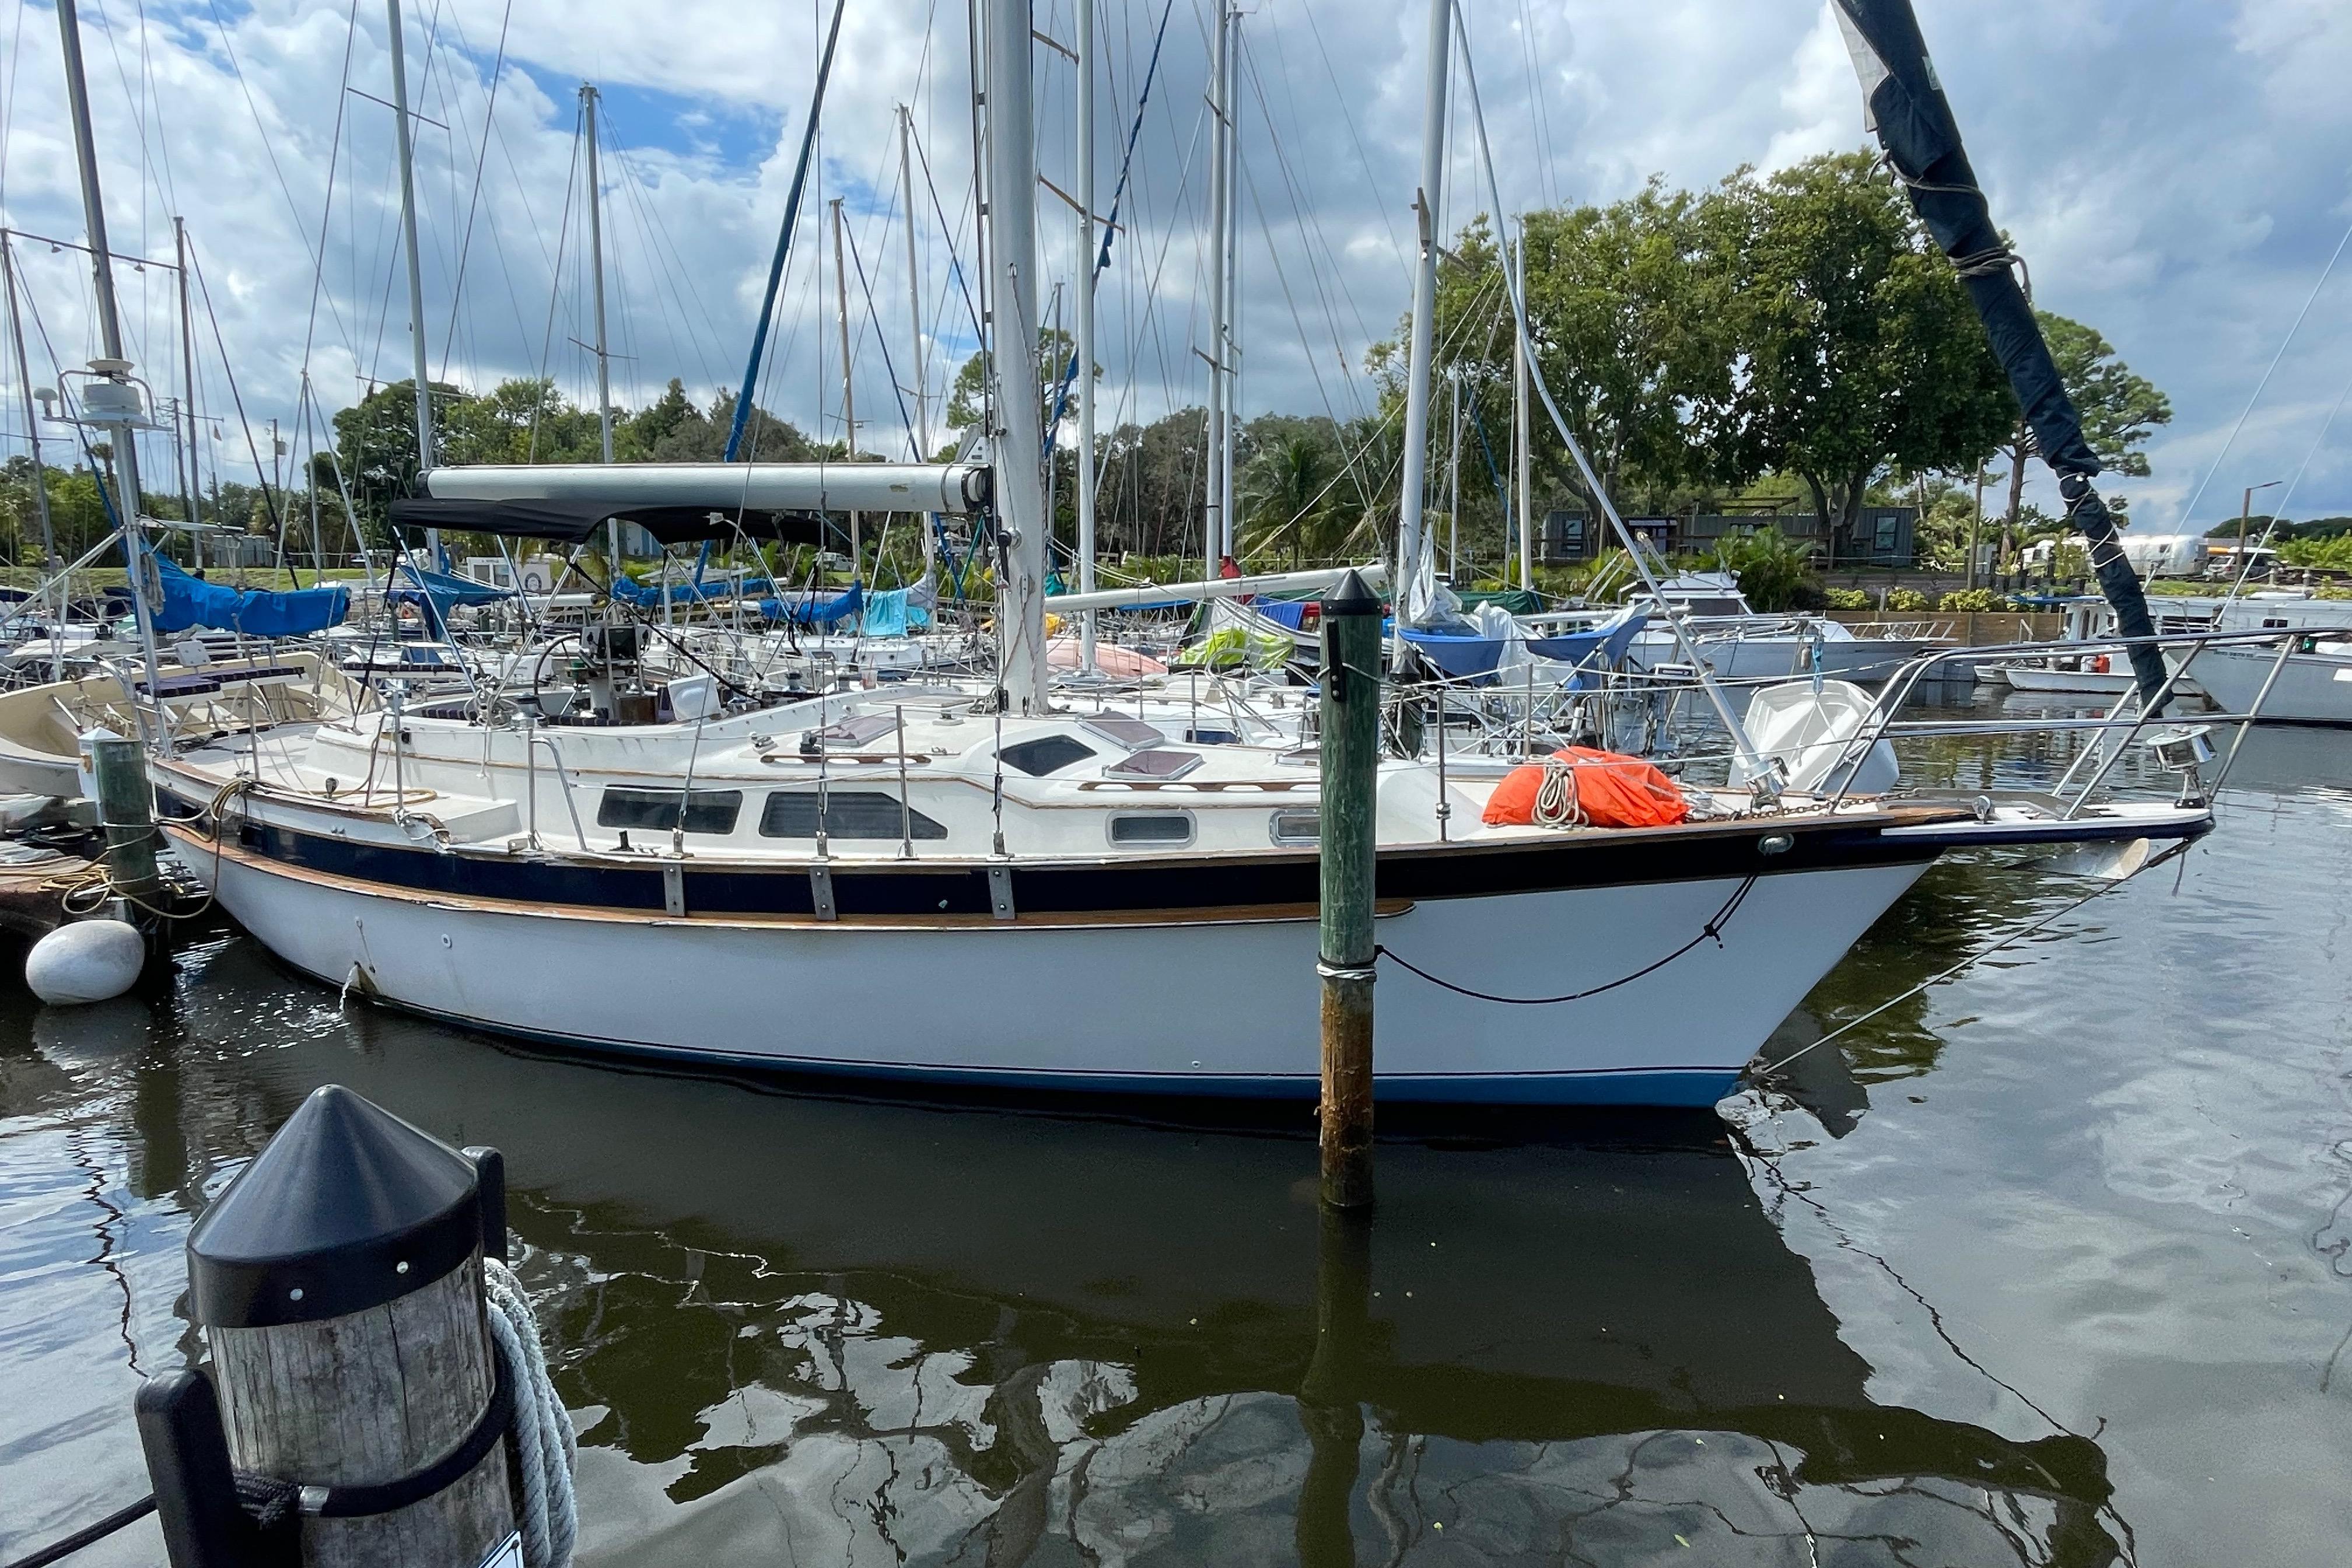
(1350,763)
(339,1284)
(126,803)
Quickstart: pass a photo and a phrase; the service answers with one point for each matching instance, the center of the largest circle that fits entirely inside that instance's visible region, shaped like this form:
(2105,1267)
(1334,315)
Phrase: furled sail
(1914,121)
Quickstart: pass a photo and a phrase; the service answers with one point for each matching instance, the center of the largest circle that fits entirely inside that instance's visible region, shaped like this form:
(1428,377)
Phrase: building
(1879,536)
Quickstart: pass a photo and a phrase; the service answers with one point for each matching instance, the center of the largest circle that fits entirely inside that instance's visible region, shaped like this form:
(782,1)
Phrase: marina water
(2049,1264)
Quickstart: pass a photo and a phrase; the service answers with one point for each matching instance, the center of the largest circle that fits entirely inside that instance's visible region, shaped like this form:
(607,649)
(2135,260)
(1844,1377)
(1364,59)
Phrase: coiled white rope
(544,1443)
(1557,803)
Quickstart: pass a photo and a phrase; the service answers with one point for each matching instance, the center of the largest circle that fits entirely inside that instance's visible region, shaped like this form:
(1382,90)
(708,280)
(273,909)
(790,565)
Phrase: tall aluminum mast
(109,326)
(1086,325)
(1412,590)
(409,240)
(1019,438)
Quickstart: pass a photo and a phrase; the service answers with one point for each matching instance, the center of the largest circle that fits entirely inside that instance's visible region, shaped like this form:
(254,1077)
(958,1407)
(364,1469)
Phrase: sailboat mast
(588,99)
(110,323)
(1019,438)
(915,324)
(1086,325)
(1214,507)
(188,370)
(1228,359)
(848,385)
(403,140)
(49,557)
(1519,426)
(1412,592)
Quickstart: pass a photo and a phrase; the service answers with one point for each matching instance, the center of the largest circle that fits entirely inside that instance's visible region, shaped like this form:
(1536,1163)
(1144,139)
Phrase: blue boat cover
(629,591)
(438,593)
(1462,656)
(192,602)
(810,609)
(1288,614)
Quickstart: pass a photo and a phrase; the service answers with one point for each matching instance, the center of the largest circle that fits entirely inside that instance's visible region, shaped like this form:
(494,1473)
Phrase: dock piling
(1350,766)
(339,1283)
(127,810)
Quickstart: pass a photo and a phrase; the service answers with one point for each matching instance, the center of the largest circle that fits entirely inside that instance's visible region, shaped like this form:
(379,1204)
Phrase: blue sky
(2174,171)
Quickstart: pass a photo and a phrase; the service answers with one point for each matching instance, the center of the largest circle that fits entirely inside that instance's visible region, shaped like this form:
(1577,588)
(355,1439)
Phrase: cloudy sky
(2178,173)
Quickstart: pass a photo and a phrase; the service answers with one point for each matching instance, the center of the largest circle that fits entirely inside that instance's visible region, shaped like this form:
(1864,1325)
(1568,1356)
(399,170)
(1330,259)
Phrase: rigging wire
(2189,512)
(474,202)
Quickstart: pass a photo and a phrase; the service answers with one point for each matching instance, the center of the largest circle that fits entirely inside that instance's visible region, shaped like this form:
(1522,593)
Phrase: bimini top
(571,521)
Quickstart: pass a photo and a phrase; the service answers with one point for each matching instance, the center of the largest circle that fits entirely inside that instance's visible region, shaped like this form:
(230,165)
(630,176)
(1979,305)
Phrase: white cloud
(2175,175)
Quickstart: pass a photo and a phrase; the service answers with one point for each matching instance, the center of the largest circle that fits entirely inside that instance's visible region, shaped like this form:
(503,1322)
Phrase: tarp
(1915,123)
(1518,601)
(810,609)
(192,602)
(577,521)
(893,613)
(438,593)
(629,591)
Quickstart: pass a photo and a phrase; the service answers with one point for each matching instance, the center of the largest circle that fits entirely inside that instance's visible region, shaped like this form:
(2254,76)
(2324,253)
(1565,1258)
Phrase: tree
(2119,409)
(1283,496)
(1861,352)
(968,393)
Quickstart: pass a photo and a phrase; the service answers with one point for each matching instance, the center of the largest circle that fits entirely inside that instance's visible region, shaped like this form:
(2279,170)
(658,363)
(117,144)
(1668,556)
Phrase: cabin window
(1154,829)
(848,813)
(707,810)
(1155,764)
(1049,755)
(1127,732)
(1296,827)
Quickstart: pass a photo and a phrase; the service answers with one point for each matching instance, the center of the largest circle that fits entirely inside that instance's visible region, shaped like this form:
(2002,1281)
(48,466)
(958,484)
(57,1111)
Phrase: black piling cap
(349,1207)
(1350,596)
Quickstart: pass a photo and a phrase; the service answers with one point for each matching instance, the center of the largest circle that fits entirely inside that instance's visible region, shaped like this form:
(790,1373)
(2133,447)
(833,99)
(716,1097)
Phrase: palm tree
(1284,495)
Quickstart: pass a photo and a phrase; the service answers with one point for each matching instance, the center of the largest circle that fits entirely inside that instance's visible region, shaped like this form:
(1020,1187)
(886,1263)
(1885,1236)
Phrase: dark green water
(2048,1265)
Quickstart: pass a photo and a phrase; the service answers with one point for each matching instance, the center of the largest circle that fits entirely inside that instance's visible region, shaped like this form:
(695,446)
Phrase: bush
(1909,599)
(1847,599)
(1978,600)
(1775,572)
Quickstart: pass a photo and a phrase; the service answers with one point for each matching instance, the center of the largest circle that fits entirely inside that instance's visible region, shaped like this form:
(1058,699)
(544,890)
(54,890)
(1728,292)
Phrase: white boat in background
(1739,645)
(2311,684)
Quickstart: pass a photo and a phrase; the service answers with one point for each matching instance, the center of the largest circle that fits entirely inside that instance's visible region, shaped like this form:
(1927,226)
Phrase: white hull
(1187,1006)
(1786,658)
(2312,688)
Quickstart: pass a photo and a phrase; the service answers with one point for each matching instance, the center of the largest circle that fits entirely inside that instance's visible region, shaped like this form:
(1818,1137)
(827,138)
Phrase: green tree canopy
(1860,351)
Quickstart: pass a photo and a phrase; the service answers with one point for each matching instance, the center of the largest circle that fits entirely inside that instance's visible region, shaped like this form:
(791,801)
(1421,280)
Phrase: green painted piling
(1350,760)
(126,806)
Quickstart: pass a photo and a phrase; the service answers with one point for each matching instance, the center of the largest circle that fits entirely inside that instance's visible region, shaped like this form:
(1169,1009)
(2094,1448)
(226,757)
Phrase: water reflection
(800,1329)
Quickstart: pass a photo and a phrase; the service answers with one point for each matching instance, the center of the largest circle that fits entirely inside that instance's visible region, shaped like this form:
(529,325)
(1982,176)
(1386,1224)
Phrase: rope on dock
(545,1447)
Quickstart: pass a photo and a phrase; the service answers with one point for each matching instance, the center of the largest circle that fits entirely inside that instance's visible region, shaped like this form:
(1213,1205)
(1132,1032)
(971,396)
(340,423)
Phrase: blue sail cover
(438,593)
(192,602)
(1915,125)
(649,595)
(810,609)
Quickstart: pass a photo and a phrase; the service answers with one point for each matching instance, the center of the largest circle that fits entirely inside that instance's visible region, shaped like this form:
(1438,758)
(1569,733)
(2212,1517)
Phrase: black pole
(1915,123)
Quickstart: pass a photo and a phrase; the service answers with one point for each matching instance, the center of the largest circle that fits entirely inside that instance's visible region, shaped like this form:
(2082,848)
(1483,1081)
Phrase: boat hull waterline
(1200,1003)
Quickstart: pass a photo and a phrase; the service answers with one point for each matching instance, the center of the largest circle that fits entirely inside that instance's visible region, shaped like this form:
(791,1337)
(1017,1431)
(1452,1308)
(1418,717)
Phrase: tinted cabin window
(848,813)
(1152,827)
(1038,758)
(709,810)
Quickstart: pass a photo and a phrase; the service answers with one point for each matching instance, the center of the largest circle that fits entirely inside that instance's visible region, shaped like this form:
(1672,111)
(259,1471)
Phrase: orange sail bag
(1578,785)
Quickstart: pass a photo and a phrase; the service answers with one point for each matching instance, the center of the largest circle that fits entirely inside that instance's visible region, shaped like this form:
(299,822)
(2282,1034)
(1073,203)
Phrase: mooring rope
(1713,929)
(545,1447)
